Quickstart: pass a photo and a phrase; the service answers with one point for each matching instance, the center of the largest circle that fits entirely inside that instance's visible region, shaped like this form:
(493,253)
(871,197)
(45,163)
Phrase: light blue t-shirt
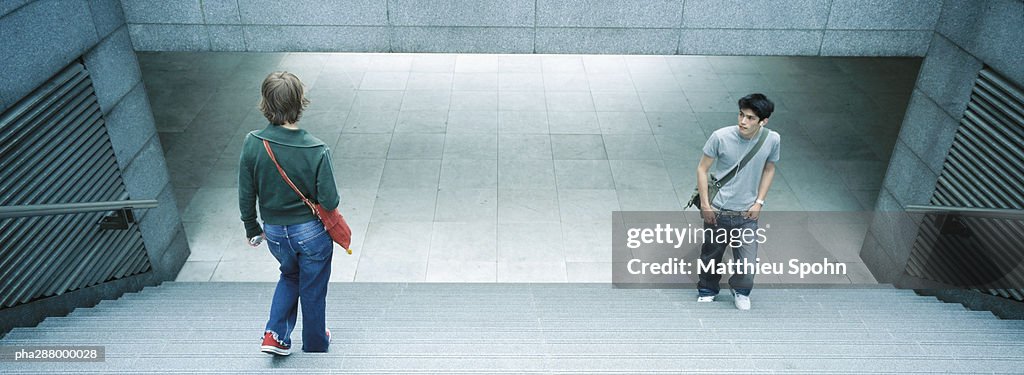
(727,147)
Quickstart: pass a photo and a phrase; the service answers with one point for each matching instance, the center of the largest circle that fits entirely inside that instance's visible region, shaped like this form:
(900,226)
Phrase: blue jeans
(707,284)
(304,251)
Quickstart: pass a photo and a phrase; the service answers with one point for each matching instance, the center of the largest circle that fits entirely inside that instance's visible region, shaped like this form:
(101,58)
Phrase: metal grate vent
(54,148)
(984,169)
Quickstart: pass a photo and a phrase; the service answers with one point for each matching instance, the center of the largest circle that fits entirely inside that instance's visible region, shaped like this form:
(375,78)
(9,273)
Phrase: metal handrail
(995,213)
(7,212)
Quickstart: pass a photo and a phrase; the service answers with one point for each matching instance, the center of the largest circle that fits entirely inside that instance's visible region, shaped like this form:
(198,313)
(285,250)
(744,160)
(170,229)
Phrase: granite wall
(710,27)
(969,35)
(41,37)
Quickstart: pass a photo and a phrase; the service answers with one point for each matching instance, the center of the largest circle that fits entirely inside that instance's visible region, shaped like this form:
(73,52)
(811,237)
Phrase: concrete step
(542,364)
(489,288)
(511,290)
(548,327)
(619,303)
(840,334)
(492,363)
(594,299)
(974,317)
(504,289)
(547,293)
(798,348)
(551,308)
(764,306)
(536,328)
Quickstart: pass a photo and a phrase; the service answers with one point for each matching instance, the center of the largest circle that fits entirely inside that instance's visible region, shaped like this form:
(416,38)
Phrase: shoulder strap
(746,158)
(266,145)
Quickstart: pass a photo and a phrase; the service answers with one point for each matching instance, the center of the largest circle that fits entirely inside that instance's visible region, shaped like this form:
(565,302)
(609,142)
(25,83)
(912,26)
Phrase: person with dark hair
(294,233)
(738,202)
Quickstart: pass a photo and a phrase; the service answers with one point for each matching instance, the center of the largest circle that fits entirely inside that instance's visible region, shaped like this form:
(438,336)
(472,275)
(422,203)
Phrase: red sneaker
(328,335)
(272,346)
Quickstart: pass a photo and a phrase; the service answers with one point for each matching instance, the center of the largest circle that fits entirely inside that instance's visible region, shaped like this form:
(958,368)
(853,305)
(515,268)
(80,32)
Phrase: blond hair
(283,98)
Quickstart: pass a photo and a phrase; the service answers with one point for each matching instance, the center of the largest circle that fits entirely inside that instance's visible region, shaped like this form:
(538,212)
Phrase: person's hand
(708,213)
(256,241)
(754,212)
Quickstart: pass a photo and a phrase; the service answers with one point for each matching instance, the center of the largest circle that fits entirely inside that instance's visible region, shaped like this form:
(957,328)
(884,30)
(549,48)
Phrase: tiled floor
(484,168)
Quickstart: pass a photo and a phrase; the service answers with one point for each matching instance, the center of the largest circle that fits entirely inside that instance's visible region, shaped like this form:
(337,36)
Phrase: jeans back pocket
(317,247)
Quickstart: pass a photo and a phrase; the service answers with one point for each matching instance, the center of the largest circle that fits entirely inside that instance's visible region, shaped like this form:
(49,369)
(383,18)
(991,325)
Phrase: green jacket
(306,160)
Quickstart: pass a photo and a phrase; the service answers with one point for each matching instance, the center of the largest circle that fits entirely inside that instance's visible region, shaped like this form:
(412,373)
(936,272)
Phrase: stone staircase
(535,328)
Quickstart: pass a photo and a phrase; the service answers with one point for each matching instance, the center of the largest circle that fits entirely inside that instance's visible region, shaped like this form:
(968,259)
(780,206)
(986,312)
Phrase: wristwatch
(760,202)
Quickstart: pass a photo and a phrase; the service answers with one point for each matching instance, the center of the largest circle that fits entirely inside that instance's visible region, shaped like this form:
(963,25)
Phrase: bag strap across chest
(266,144)
(746,158)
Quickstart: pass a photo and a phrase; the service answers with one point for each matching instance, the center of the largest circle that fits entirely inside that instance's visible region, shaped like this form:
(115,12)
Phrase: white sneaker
(705,298)
(742,302)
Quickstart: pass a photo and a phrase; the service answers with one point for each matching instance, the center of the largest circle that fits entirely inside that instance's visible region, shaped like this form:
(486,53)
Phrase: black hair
(758,103)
